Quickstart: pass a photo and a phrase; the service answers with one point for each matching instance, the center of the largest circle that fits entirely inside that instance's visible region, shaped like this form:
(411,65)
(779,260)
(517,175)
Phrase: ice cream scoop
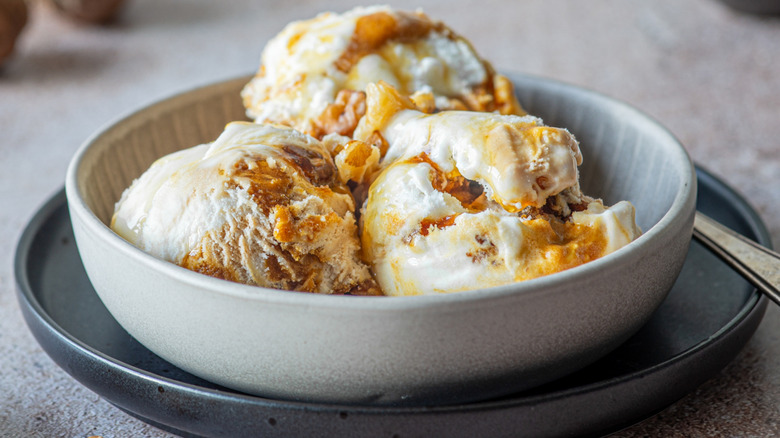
(466,200)
(313,72)
(261,205)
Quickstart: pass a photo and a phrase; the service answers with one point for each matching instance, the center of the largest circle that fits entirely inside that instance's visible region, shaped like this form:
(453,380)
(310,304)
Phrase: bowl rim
(684,200)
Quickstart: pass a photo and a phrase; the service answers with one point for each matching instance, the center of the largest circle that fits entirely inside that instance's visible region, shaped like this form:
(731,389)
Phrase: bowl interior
(627,156)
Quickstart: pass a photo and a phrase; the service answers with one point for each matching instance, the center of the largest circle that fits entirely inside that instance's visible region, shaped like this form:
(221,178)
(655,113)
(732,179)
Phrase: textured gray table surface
(711,75)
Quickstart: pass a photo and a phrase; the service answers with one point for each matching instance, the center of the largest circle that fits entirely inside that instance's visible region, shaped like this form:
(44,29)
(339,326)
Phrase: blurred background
(708,72)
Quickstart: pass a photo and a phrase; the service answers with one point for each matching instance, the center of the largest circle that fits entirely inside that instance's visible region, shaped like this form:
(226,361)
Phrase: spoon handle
(760,266)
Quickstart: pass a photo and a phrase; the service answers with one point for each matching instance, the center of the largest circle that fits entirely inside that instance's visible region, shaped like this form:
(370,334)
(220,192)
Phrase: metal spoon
(758,265)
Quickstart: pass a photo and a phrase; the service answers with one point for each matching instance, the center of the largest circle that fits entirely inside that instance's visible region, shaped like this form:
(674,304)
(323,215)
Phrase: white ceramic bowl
(380,350)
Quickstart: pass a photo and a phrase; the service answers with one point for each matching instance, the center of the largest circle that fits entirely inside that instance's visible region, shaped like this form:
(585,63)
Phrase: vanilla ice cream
(465,200)
(313,72)
(389,110)
(261,205)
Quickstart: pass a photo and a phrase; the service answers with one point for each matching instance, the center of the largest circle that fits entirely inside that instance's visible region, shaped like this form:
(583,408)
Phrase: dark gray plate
(707,318)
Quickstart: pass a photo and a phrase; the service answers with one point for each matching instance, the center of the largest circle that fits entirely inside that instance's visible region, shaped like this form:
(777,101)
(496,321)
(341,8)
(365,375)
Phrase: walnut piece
(13,17)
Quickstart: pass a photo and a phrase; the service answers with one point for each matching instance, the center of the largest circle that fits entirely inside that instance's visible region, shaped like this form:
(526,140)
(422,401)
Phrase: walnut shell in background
(13,17)
(91,11)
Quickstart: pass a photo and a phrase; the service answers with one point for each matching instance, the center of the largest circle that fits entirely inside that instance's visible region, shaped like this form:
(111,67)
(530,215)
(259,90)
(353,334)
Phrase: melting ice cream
(262,205)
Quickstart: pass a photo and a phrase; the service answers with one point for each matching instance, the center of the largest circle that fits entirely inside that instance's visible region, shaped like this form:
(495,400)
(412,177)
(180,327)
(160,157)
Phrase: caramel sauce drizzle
(470,193)
(374,30)
(440,223)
